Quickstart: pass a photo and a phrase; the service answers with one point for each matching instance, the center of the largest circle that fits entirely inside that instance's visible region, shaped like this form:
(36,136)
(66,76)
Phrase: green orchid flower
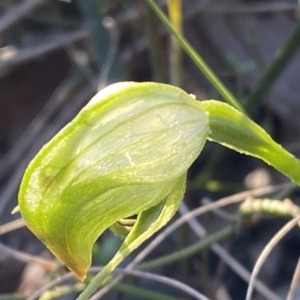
(126,153)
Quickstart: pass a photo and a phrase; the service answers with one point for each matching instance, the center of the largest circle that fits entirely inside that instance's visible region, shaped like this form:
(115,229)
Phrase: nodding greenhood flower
(126,153)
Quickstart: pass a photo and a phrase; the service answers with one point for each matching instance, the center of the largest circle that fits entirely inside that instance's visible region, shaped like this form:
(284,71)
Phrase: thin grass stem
(11,226)
(295,282)
(27,258)
(143,293)
(282,58)
(175,69)
(268,248)
(188,251)
(197,59)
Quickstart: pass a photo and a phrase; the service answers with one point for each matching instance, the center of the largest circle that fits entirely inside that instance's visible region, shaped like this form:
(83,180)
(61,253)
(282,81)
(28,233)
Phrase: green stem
(12,297)
(61,291)
(145,294)
(282,58)
(188,251)
(175,68)
(234,130)
(197,59)
(165,260)
(100,278)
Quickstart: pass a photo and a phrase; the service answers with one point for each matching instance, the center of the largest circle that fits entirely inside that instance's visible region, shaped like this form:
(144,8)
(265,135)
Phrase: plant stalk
(282,58)
(197,59)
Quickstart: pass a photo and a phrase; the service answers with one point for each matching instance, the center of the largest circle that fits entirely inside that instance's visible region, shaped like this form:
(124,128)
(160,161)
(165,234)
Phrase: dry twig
(27,258)
(13,225)
(266,251)
(14,15)
(295,282)
(57,41)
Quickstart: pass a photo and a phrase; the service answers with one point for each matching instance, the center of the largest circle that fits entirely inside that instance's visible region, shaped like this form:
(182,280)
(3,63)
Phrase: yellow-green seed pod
(125,152)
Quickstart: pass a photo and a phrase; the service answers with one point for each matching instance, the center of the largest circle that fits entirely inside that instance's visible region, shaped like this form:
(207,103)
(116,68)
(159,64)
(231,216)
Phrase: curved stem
(234,130)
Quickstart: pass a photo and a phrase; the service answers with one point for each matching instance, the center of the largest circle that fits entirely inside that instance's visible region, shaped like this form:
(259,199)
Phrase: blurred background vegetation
(55,55)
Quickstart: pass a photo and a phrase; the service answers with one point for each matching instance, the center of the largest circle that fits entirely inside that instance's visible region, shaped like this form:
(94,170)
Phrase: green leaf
(121,155)
(232,129)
